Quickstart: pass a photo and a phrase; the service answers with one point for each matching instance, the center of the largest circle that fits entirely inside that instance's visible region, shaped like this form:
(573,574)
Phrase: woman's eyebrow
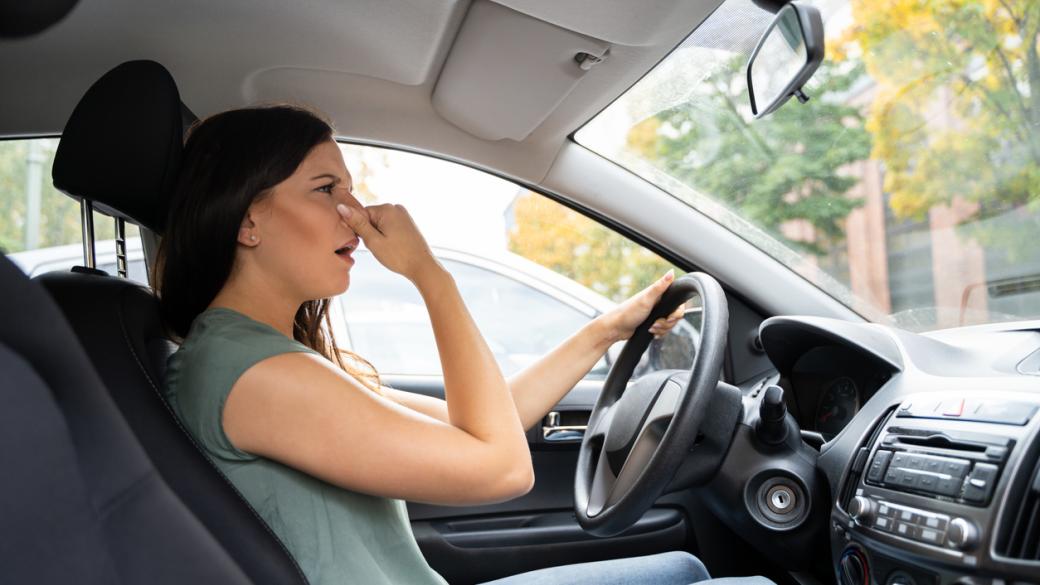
(326,176)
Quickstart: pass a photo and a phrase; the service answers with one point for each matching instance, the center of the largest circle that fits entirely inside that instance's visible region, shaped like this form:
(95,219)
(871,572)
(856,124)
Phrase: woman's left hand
(623,319)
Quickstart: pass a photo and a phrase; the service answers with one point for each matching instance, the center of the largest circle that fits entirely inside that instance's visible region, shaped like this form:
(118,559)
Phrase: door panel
(471,544)
(477,550)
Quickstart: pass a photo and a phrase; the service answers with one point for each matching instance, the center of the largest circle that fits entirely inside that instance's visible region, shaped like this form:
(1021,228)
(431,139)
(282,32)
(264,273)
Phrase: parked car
(55,258)
(382,317)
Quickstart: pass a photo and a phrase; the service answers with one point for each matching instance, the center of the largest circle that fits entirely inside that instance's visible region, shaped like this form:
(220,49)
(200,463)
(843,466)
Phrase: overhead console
(946,489)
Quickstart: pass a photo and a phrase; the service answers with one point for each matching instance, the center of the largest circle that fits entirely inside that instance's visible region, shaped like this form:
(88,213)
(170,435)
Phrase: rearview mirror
(785,58)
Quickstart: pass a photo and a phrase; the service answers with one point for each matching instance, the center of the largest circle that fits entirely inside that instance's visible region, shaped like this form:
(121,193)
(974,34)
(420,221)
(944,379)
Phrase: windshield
(908,186)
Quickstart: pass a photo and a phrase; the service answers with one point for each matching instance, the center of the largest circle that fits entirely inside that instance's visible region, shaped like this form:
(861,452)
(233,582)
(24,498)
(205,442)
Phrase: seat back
(131,119)
(80,500)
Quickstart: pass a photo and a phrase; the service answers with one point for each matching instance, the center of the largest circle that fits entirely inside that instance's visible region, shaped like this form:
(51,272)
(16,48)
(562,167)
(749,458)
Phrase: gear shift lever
(772,412)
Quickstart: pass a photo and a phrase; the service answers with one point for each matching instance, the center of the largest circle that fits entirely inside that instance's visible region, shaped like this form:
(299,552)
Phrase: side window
(387,321)
(40,226)
(531,271)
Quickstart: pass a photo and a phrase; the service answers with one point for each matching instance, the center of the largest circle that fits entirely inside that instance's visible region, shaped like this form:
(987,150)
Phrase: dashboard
(931,446)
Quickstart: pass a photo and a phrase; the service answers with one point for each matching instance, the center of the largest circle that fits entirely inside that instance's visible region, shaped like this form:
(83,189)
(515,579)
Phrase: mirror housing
(787,55)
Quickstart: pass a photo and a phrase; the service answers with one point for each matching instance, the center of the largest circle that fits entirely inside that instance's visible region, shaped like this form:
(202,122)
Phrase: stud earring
(252,238)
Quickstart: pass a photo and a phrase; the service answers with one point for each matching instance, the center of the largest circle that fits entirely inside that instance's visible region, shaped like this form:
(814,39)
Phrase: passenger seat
(80,501)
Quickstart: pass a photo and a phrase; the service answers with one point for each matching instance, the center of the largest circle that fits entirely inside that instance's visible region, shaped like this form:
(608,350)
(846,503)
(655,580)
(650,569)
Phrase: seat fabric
(80,500)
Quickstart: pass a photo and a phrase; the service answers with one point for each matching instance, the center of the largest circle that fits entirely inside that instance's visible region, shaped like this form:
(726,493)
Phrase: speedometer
(839,403)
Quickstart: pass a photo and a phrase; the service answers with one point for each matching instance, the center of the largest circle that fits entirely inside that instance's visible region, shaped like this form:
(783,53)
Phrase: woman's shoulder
(220,346)
(219,328)
(223,343)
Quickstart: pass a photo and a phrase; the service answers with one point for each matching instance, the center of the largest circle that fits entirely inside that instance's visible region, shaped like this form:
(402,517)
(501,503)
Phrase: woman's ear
(247,232)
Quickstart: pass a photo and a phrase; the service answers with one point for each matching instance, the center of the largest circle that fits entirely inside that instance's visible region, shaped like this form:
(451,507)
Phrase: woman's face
(298,229)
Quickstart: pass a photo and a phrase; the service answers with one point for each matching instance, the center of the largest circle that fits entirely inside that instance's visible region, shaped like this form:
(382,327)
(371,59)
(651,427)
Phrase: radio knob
(862,510)
(962,534)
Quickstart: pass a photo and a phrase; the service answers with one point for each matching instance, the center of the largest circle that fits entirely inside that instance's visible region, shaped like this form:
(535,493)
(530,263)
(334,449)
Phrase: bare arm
(540,386)
(301,410)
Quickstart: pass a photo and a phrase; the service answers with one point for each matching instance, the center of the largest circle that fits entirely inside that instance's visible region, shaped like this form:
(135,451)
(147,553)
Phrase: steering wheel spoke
(602,488)
(598,426)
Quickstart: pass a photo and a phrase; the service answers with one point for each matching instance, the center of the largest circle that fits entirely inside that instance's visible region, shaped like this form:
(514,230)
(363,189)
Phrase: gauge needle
(829,414)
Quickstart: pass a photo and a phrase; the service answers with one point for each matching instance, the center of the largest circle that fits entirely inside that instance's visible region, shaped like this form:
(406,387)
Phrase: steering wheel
(639,434)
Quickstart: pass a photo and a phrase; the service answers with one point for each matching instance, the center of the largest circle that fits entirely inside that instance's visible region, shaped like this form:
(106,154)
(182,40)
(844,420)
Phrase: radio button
(980,483)
(878,465)
(893,475)
(936,522)
(933,464)
(948,486)
(928,482)
(908,478)
(931,536)
(953,407)
(956,467)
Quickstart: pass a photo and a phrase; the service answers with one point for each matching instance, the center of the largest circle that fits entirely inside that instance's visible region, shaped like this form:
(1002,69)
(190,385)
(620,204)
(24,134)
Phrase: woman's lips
(347,249)
(346,257)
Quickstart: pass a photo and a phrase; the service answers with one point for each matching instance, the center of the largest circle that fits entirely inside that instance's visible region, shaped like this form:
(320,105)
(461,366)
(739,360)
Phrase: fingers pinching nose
(343,210)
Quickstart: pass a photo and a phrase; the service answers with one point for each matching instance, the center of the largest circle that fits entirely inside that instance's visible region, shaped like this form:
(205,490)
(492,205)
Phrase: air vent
(1019,533)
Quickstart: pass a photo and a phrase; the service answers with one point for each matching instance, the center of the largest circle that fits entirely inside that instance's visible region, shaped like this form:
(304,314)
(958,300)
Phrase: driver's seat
(120,150)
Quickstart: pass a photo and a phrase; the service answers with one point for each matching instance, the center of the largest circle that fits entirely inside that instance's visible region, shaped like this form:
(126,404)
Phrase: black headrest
(22,19)
(121,148)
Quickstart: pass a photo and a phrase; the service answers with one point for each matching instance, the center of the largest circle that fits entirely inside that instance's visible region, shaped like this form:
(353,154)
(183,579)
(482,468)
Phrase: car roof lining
(371,65)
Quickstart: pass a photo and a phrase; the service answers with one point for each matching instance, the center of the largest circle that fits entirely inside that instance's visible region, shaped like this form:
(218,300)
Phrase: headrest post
(120,248)
(87,209)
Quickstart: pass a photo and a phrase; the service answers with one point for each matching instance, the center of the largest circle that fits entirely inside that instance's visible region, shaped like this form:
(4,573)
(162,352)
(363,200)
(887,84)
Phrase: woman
(259,237)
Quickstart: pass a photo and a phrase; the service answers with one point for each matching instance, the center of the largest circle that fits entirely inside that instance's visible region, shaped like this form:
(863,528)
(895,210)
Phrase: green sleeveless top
(336,535)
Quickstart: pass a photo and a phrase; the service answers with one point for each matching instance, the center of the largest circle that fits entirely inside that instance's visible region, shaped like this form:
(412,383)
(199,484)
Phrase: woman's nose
(342,195)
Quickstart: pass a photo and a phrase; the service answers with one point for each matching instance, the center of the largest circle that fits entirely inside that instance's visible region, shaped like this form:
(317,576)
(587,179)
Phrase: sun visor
(507,72)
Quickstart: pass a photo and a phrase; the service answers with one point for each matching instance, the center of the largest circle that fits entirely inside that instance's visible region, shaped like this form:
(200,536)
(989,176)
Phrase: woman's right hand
(393,238)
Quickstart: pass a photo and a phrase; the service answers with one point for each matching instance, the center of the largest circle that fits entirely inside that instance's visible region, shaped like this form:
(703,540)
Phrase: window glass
(531,271)
(40,226)
(388,322)
(907,187)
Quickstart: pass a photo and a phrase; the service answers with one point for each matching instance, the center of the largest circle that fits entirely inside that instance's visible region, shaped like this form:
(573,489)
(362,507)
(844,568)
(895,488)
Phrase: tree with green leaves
(957,111)
(58,222)
(956,120)
(786,166)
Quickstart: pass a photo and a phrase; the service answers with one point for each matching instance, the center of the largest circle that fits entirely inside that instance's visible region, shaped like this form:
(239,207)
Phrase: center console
(945,489)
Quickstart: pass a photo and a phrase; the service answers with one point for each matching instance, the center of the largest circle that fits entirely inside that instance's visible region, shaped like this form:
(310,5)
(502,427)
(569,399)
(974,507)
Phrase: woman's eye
(326,188)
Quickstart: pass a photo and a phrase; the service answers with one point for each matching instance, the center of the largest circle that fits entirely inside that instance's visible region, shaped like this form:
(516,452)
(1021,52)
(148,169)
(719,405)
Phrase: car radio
(952,465)
(924,488)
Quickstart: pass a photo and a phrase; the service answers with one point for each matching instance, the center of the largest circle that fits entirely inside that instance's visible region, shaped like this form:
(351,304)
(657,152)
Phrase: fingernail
(343,209)
(670,274)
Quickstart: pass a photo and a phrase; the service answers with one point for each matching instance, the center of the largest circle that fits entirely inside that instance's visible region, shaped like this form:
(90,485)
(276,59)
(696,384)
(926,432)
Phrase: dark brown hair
(230,160)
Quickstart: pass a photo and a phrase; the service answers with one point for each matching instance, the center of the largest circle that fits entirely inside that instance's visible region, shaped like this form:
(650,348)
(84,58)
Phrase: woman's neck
(259,302)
